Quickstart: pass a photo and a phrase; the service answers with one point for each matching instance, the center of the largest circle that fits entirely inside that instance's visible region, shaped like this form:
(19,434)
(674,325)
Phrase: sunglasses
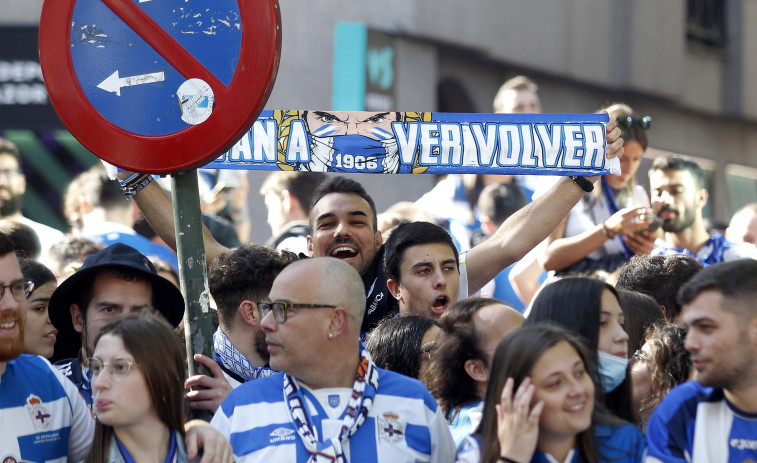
(630,121)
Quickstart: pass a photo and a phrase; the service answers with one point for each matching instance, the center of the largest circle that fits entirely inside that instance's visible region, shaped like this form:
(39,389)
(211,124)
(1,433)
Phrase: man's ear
(701,197)
(379,239)
(487,226)
(310,245)
(286,201)
(77,318)
(394,288)
(338,321)
(248,310)
(477,370)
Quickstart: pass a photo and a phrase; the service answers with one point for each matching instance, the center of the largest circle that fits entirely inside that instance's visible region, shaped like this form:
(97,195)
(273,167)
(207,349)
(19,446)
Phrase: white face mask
(612,370)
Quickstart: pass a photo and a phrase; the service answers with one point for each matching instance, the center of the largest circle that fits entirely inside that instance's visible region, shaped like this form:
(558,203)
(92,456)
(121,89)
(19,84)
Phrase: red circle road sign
(233,106)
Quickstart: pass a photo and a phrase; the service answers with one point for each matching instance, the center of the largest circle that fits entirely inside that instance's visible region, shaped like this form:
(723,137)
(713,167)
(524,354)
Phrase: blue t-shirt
(694,423)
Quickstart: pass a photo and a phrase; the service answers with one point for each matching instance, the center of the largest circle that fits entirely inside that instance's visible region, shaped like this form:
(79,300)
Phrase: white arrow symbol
(114,83)
(142,1)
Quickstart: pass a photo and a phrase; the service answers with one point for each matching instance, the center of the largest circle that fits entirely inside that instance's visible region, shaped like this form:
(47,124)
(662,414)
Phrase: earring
(331,335)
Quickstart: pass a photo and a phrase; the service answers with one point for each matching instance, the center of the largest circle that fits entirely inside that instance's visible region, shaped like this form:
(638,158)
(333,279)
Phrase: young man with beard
(343,225)
(12,188)
(118,279)
(237,280)
(43,416)
(678,195)
(713,417)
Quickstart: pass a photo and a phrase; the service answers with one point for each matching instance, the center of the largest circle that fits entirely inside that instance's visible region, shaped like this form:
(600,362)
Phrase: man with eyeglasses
(12,188)
(118,279)
(43,416)
(329,399)
(678,195)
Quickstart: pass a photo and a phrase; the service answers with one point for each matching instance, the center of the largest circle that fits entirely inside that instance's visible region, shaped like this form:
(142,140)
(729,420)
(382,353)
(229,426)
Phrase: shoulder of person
(404,387)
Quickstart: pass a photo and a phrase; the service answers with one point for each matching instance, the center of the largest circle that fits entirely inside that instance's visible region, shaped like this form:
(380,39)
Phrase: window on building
(705,22)
(742,186)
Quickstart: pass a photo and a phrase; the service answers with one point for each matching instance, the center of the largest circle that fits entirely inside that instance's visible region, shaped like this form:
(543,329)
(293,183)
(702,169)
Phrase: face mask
(612,370)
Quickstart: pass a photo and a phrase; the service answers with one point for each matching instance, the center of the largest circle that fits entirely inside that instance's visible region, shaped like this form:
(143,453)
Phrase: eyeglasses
(280,308)
(426,349)
(629,121)
(20,290)
(9,173)
(118,368)
(640,356)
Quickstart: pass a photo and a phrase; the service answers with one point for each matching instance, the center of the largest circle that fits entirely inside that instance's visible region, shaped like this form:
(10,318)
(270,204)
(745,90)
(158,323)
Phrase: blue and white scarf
(231,359)
(363,393)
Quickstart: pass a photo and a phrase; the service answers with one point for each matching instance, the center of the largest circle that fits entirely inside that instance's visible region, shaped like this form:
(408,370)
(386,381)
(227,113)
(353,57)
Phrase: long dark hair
(575,303)
(395,344)
(515,358)
(640,311)
(158,352)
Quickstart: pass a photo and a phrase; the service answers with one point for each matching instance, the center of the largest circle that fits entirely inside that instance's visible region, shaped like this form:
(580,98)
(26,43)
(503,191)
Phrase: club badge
(390,428)
(41,418)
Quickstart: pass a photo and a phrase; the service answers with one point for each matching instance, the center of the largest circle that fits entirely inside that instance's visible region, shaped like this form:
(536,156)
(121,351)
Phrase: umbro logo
(281,435)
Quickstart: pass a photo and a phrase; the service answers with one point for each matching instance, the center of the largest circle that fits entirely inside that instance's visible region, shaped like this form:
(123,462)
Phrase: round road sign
(159,86)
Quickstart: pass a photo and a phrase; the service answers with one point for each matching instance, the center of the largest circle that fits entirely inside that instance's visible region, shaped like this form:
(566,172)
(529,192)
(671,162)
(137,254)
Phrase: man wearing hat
(116,280)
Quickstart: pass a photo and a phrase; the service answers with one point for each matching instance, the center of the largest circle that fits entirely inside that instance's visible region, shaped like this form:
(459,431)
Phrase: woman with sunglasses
(613,222)
(138,383)
(542,406)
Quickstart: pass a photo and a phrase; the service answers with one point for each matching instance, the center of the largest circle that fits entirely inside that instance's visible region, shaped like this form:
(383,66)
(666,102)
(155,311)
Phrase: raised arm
(156,206)
(562,252)
(523,230)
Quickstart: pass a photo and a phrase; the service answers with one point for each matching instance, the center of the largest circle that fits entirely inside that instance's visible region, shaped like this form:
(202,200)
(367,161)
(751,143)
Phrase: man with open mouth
(343,225)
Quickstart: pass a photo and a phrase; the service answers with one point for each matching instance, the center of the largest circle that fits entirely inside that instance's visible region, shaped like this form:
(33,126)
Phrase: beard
(11,347)
(681,221)
(261,348)
(10,206)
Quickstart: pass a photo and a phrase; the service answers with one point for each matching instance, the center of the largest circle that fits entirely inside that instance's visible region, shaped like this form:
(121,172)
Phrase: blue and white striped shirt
(42,415)
(404,424)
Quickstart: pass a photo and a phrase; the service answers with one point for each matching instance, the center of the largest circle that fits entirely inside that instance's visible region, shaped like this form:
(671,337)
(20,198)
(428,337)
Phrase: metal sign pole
(198,328)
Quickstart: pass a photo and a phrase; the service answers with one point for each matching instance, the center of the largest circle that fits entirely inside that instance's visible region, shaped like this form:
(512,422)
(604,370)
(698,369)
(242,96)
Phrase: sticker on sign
(159,86)
(196,101)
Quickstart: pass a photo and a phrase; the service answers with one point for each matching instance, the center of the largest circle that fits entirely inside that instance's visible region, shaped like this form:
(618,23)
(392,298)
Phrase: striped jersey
(42,416)
(405,424)
(697,424)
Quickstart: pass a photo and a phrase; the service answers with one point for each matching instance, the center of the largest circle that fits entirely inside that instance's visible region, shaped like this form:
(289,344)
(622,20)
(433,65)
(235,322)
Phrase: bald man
(329,399)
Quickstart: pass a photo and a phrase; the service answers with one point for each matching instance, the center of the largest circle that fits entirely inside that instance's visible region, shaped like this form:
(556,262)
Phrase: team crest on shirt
(41,418)
(390,428)
(334,400)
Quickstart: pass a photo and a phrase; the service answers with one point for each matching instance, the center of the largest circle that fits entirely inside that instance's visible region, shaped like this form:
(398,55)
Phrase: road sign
(159,86)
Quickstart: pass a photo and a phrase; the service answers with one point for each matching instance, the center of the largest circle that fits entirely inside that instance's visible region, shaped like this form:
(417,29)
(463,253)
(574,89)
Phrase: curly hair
(247,272)
(669,362)
(445,376)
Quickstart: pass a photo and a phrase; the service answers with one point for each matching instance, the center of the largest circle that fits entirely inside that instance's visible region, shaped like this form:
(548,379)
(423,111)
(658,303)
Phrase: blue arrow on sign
(108,56)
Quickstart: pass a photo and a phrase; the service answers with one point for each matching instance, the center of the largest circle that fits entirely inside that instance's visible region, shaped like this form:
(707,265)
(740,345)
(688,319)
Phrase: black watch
(585,185)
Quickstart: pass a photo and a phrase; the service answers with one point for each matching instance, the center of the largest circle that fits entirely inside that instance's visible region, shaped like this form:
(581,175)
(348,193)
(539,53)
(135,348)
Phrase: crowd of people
(544,319)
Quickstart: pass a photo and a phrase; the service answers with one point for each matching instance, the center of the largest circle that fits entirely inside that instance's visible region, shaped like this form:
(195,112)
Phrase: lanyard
(612,205)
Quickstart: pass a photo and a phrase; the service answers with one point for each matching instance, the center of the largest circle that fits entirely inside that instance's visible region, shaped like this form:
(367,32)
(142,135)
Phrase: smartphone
(656,223)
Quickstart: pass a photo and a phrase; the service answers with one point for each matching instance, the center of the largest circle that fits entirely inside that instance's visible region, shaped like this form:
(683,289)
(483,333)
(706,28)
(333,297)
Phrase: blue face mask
(612,370)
